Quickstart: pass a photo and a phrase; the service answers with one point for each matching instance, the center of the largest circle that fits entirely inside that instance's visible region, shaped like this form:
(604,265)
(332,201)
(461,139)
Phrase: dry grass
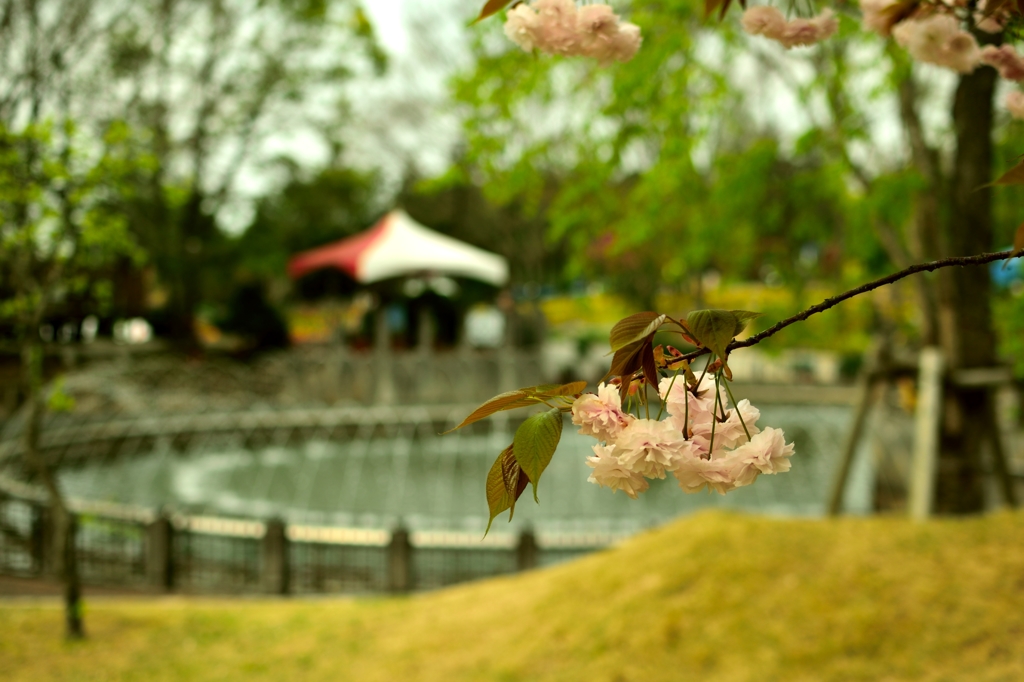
(712,597)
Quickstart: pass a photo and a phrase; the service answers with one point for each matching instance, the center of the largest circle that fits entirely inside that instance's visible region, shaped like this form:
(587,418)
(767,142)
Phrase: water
(429,482)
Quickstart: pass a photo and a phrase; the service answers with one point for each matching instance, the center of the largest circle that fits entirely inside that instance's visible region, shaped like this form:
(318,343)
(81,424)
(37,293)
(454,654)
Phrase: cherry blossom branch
(980,259)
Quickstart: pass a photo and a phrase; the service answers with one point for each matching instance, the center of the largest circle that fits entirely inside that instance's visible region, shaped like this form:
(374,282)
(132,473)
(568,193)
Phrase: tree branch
(980,259)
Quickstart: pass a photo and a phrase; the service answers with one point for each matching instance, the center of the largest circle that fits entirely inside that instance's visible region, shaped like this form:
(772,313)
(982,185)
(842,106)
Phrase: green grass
(713,597)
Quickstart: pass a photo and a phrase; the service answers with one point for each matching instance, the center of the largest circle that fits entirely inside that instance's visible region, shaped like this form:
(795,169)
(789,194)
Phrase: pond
(410,475)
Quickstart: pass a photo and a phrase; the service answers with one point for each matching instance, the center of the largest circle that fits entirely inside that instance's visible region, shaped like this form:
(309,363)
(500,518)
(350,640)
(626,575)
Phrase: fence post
(400,561)
(927,423)
(526,551)
(40,539)
(160,553)
(275,574)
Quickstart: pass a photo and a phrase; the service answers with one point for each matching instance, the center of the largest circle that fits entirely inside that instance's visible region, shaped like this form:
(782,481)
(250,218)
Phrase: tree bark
(63,547)
(965,318)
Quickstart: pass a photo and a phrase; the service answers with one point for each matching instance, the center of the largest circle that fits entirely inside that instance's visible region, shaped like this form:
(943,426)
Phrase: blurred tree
(668,175)
(309,211)
(668,153)
(60,227)
(210,86)
(933,200)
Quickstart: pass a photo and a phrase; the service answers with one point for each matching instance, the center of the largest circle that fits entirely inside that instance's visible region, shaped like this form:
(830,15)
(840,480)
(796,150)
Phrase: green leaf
(555,390)
(498,497)
(713,328)
(535,442)
(509,400)
(514,478)
(634,328)
(521,397)
(491,8)
(742,317)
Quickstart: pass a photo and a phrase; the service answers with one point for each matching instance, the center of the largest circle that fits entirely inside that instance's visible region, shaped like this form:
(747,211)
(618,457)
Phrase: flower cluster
(769,22)
(1015,103)
(938,39)
(701,443)
(560,27)
(1005,60)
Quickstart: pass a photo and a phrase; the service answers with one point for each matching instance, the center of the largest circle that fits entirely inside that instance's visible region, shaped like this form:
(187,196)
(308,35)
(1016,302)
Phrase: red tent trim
(342,255)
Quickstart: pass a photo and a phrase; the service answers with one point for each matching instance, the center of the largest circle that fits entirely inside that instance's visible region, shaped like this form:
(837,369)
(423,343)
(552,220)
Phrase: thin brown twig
(980,259)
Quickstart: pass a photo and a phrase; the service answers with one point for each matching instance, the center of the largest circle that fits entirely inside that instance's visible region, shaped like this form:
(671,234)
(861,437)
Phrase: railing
(140,550)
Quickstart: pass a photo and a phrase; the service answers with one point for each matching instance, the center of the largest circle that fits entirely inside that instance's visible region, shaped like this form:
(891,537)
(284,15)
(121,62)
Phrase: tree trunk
(965,319)
(63,536)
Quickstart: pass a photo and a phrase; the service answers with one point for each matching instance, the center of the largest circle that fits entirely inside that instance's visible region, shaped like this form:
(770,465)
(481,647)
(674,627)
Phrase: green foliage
(1008,314)
(61,224)
(667,175)
(523,397)
(535,443)
(58,399)
(505,483)
(307,212)
(715,329)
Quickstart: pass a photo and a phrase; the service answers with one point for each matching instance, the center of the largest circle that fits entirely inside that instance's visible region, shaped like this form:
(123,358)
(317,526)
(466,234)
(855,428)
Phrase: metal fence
(139,550)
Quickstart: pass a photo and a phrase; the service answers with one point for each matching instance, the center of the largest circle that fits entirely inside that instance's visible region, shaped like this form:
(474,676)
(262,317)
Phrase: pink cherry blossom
(767,452)
(729,433)
(990,22)
(938,39)
(1015,104)
(521,26)
(611,473)
(650,447)
(559,27)
(600,415)
(696,473)
(763,20)
(1005,59)
(769,22)
(878,16)
(699,411)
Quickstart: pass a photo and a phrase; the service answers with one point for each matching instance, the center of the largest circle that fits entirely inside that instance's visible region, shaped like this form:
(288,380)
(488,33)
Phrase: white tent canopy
(397,245)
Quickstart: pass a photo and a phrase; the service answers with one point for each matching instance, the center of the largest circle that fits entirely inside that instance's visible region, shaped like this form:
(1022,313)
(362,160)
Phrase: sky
(406,119)
(399,122)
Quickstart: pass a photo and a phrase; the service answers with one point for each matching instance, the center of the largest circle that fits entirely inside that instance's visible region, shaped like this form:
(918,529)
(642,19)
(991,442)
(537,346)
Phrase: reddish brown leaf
(897,12)
(1014,176)
(514,477)
(625,363)
(649,366)
(498,499)
(710,6)
(632,329)
(491,7)
(1018,240)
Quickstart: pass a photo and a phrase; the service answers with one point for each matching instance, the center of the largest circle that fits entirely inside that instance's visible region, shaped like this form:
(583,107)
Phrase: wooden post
(160,554)
(999,460)
(400,561)
(508,367)
(865,399)
(275,569)
(41,541)
(526,551)
(384,388)
(427,332)
(926,433)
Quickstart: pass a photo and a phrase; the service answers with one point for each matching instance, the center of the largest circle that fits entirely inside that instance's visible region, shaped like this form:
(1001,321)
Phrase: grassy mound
(712,597)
